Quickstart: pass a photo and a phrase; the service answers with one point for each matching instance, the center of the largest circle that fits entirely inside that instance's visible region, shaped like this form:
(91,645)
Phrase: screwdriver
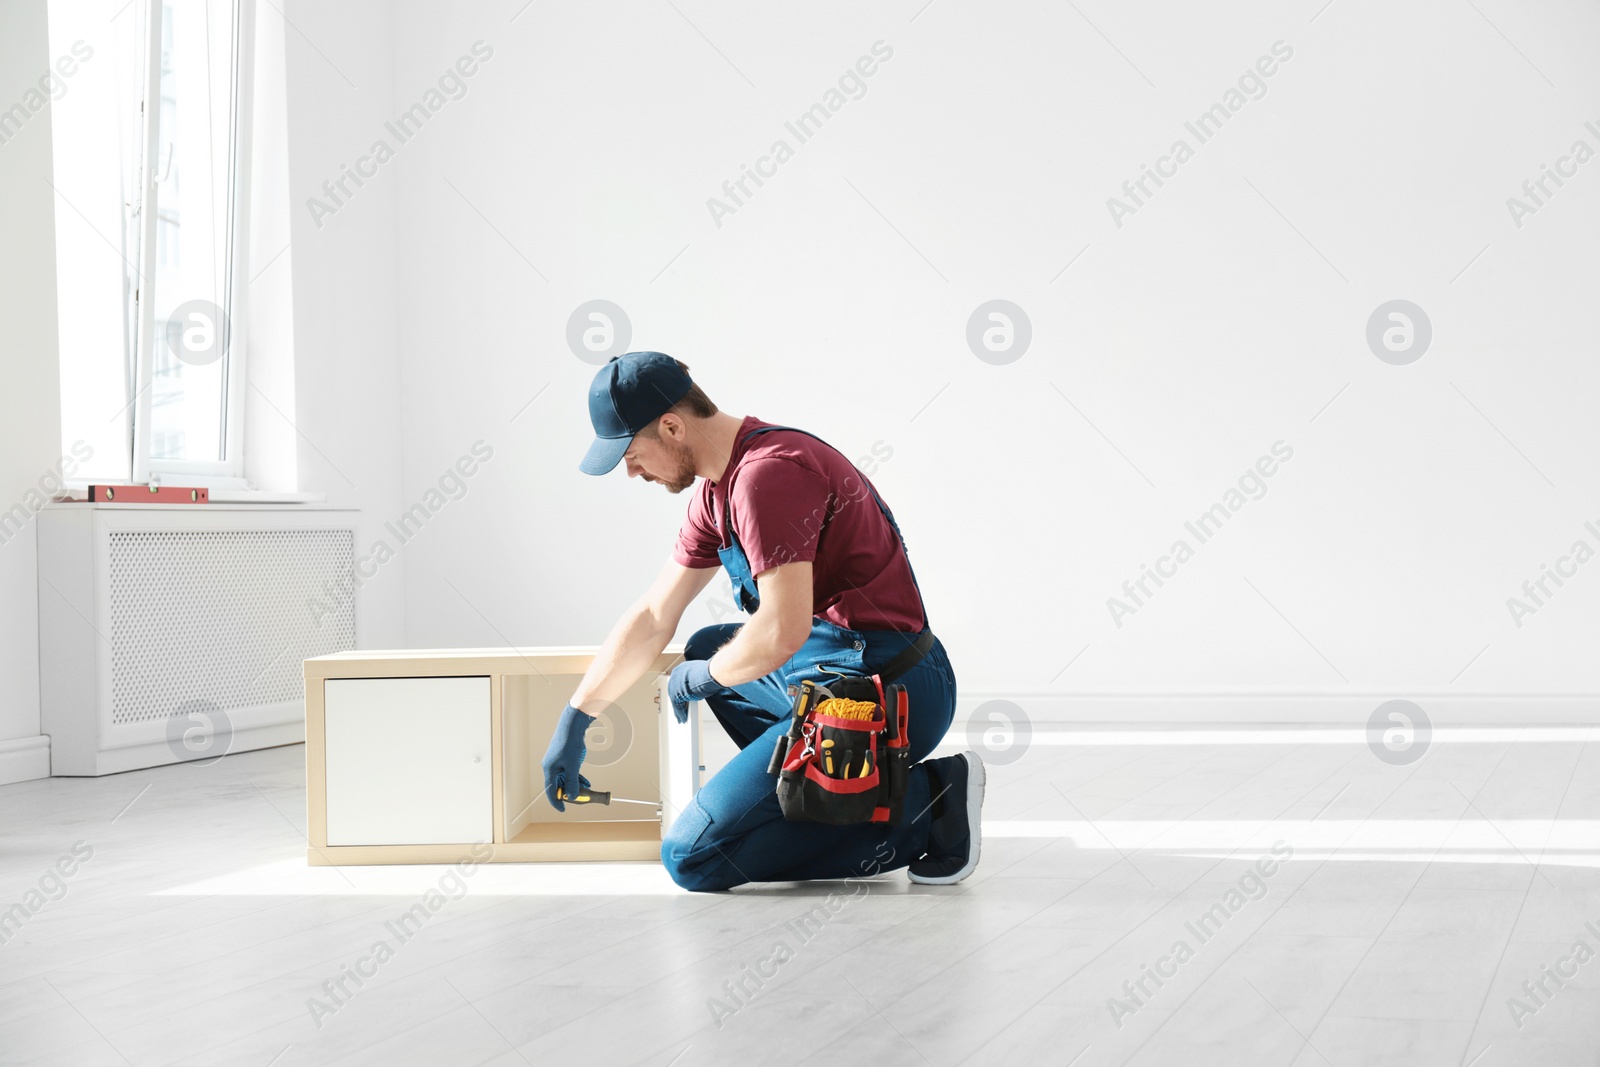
(598,796)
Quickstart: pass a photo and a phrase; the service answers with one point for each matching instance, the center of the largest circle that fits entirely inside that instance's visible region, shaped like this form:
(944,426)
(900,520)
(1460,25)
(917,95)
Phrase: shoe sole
(975,778)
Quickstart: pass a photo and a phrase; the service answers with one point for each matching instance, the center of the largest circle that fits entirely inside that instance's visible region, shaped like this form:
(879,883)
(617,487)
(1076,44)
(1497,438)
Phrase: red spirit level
(148,494)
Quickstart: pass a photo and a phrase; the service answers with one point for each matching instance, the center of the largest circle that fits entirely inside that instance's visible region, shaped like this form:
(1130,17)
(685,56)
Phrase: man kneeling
(816,559)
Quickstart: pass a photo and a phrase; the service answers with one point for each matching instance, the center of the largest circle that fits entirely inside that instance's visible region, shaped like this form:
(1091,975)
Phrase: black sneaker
(955,834)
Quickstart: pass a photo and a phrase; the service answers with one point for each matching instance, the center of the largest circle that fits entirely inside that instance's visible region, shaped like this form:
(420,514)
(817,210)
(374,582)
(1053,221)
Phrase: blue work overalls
(734,832)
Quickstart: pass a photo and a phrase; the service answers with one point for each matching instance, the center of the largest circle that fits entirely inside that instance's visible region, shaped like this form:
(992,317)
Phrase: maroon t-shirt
(797,499)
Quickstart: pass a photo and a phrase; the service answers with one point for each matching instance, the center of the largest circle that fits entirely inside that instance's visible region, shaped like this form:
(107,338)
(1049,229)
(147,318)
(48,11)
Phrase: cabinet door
(408,761)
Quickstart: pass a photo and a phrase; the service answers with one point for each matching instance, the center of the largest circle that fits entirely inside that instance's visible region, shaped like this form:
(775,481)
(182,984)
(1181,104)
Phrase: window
(186,226)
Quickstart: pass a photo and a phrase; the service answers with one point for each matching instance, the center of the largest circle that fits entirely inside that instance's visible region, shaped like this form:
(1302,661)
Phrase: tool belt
(846,757)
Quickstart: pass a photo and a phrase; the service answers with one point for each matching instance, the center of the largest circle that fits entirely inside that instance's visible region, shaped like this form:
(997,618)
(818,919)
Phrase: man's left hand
(690,680)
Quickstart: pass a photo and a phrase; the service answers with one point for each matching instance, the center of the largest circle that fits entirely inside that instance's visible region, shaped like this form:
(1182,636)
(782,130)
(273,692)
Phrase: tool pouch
(846,757)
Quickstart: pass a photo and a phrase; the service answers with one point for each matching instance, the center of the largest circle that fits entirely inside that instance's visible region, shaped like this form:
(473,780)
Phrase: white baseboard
(160,753)
(23,759)
(1285,708)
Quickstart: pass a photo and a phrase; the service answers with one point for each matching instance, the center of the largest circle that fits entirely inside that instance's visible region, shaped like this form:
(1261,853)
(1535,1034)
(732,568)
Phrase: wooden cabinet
(433,756)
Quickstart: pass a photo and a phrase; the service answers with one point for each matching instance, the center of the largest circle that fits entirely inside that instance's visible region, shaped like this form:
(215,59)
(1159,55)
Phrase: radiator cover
(159,621)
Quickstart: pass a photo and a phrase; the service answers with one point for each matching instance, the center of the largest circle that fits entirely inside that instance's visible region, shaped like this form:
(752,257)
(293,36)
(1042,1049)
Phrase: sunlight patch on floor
(293,877)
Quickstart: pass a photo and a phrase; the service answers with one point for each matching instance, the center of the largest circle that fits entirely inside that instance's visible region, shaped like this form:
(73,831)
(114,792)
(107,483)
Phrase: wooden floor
(1405,909)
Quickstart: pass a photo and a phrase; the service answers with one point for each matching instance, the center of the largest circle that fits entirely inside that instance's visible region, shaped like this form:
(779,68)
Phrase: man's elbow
(653,616)
(791,639)
(782,643)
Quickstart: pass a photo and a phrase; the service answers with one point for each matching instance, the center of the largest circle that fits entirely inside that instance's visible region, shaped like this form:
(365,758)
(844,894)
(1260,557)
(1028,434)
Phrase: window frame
(228,472)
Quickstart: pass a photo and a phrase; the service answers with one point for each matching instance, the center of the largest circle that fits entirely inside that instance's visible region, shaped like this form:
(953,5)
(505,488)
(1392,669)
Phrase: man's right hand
(564,756)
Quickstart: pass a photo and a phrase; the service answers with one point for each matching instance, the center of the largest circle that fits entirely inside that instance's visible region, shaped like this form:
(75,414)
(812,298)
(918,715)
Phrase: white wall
(1227,314)
(344,408)
(30,413)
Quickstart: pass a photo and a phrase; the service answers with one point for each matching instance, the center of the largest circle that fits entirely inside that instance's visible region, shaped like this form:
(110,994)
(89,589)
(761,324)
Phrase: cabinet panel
(408,761)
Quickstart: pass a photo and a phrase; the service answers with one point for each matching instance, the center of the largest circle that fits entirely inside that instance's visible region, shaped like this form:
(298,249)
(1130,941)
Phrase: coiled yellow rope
(841,708)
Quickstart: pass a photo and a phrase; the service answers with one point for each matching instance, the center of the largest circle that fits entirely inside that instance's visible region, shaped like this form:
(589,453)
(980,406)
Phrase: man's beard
(683,476)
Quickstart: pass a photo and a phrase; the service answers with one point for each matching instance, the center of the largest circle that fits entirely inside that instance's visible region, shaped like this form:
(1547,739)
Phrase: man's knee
(694,874)
(704,642)
(695,879)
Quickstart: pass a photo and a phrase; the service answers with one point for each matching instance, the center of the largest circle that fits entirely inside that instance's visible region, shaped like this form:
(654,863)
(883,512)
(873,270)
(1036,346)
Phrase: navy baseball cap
(630,392)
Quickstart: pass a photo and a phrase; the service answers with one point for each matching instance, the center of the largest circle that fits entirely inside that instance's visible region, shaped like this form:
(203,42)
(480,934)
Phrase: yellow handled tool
(597,796)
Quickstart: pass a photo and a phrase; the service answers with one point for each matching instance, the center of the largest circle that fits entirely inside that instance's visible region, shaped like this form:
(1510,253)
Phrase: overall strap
(887,514)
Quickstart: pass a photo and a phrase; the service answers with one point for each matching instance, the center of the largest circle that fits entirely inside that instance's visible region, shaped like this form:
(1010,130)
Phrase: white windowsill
(264,496)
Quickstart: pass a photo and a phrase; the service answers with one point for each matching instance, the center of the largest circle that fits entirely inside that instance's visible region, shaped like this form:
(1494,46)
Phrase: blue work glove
(690,680)
(565,755)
